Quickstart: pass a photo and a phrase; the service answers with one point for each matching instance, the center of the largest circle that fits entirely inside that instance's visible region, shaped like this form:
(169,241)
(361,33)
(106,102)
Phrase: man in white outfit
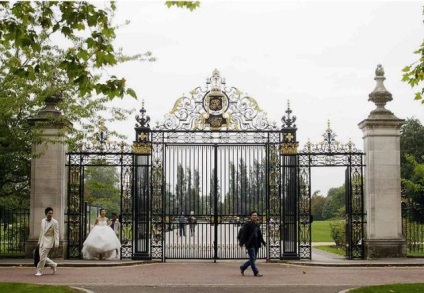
(49,238)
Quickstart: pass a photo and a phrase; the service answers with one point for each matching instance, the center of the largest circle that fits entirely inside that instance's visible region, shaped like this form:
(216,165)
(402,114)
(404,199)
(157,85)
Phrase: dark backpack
(242,235)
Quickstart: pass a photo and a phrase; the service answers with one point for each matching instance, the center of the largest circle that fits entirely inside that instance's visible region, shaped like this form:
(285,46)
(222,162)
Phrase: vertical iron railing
(413,225)
(219,184)
(355,215)
(14,231)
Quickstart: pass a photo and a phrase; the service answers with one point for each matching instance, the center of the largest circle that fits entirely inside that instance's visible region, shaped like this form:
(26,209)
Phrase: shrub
(338,233)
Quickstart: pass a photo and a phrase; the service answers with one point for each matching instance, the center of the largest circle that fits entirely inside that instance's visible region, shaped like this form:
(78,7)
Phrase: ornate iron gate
(188,184)
(331,153)
(99,153)
(216,158)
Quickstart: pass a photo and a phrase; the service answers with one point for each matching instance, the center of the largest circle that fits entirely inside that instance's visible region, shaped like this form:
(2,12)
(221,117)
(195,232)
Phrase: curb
(136,263)
(347,290)
(363,265)
(81,264)
(81,289)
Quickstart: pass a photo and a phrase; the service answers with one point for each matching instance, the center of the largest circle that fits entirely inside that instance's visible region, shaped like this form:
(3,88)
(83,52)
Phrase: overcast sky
(319,55)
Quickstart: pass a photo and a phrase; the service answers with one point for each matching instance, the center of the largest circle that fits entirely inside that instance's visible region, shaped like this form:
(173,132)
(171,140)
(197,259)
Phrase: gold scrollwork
(176,105)
(215,122)
(142,148)
(255,104)
(215,104)
(289,148)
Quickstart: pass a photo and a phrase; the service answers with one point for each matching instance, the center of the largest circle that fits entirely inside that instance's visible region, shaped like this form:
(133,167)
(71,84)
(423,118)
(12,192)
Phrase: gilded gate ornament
(216,107)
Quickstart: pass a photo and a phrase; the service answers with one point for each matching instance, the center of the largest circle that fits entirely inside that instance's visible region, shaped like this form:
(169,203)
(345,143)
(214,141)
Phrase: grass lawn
(332,249)
(394,288)
(321,231)
(32,288)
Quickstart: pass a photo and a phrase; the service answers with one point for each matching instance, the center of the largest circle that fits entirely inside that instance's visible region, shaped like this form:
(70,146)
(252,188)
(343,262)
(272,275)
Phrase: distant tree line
(246,190)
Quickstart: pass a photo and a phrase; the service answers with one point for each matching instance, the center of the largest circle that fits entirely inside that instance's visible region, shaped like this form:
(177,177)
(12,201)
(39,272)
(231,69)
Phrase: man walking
(48,239)
(181,224)
(252,238)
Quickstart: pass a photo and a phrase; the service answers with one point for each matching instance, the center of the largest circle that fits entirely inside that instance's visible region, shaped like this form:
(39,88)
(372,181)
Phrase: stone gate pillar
(48,175)
(383,237)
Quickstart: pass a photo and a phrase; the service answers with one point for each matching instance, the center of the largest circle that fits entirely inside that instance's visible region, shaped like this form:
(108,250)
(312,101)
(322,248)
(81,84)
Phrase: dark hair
(47,210)
(253,212)
(101,210)
(114,214)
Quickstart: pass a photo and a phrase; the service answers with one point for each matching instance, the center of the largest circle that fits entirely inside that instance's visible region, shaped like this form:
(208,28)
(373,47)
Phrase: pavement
(325,273)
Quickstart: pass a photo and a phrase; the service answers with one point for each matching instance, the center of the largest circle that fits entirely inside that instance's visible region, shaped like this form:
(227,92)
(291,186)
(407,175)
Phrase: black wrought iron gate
(331,153)
(216,158)
(188,184)
(79,214)
(218,185)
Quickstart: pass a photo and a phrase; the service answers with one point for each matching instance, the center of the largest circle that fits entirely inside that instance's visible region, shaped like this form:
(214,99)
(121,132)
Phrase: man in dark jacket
(253,240)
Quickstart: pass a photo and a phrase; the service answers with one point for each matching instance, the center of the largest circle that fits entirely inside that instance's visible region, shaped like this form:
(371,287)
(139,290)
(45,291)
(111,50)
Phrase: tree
(195,192)
(317,205)
(257,181)
(180,190)
(412,134)
(191,5)
(26,31)
(414,73)
(230,200)
(335,202)
(414,190)
(101,187)
(51,48)
(412,166)
(243,188)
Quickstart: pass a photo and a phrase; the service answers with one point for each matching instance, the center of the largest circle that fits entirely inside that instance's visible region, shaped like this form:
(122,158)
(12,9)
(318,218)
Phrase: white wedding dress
(101,240)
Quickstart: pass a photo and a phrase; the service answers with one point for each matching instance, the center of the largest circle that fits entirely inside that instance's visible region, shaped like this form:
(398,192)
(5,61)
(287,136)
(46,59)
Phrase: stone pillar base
(61,252)
(385,248)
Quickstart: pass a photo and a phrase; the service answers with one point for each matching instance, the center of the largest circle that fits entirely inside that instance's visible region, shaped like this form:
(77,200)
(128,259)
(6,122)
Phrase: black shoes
(256,275)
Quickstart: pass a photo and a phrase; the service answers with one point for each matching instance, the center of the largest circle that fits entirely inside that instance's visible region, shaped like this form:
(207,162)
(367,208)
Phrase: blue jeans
(182,230)
(252,252)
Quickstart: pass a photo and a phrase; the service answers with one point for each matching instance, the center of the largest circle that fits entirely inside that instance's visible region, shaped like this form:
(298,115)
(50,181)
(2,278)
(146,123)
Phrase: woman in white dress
(102,242)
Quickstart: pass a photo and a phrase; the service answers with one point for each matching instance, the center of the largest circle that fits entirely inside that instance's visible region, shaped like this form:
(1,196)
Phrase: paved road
(220,277)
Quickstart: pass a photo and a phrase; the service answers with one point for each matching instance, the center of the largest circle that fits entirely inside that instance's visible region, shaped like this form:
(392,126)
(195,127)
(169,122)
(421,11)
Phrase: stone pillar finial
(49,111)
(380,95)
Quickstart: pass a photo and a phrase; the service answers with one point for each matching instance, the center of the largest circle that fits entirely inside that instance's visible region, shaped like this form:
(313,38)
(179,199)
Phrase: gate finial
(288,122)
(144,119)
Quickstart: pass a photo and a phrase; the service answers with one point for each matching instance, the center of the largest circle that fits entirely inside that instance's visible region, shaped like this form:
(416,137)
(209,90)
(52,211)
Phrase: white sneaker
(39,274)
(54,268)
